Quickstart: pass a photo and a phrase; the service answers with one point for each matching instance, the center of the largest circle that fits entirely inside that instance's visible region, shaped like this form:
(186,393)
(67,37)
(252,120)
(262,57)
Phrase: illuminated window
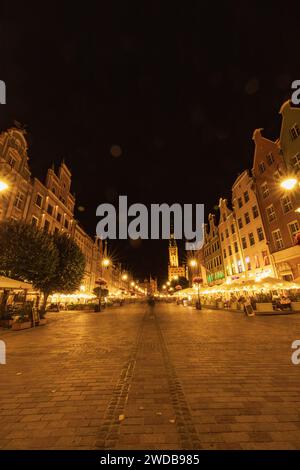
(271,214)
(293,228)
(265,257)
(251,239)
(260,234)
(296,162)
(286,204)
(265,190)
(294,131)
(247,218)
(254,212)
(19,201)
(277,239)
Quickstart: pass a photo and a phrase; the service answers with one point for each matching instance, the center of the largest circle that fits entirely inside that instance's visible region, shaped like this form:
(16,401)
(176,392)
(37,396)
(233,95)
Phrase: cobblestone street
(137,377)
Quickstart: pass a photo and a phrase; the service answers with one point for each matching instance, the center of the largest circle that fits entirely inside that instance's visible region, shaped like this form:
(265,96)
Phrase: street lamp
(289,183)
(193,263)
(3,186)
(124,277)
(106,262)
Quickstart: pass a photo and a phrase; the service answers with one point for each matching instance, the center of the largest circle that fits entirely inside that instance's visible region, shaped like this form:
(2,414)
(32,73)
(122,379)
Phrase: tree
(26,253)
(53,263)
(70,269)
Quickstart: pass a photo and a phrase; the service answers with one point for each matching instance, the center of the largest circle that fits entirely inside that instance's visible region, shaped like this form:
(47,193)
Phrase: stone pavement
(136,377)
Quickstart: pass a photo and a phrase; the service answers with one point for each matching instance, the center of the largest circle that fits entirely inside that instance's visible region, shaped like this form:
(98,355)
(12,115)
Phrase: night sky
(178,86)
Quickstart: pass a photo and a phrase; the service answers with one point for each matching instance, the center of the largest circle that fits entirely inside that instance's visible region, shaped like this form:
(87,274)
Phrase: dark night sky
(179,86)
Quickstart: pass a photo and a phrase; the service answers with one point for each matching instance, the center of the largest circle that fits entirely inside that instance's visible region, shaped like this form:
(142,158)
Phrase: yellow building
(258,261)
(233,259)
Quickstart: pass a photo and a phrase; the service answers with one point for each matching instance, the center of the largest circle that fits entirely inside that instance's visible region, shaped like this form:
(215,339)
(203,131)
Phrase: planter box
(264,307)
(296,306)
(6,323)
(21,326)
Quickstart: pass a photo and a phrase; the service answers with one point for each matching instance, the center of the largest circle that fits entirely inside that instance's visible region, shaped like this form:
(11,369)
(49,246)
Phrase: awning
(7,283)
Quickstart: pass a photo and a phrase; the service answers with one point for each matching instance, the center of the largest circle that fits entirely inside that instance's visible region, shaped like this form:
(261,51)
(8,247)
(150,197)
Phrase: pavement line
(184,422)
(110,428)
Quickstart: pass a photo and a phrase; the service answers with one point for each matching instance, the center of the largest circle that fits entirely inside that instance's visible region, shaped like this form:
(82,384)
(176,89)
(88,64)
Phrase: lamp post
(198,280)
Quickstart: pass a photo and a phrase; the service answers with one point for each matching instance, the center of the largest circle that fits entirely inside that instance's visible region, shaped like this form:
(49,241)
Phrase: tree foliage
(27,253)
(53,263)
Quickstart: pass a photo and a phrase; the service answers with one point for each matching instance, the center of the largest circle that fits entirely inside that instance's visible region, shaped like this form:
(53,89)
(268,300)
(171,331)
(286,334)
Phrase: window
(66,224)
(262,167)
(227,233)
(296,162)
(240,223)
(248,263)
(271,214)
(232,229)
(247,218)
(39,200)
(233,268)
(256,260)
(294,229)
(58,217)
(50,209)
(12,162)
(278,242)
(270,158)
(224,253)
(244,242)
(34,221)
(236,248)
(246,196)
(56,230)
(46,225)
(260,234)
(251,239)
(294,131)
(19,201)
(265,257)
(54,190)
(286,203)
(240,202)
(265,190)
(277,176)
(229,250)
(254,212)
(222,236)
(240,267)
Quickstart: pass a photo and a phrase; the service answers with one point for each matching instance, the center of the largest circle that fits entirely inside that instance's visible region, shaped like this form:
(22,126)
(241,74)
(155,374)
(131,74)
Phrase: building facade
(256,254)
(277,206)
(49,205)
(233,259)
(212,253)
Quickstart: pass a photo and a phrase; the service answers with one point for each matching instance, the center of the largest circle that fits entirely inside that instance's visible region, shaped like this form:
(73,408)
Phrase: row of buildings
(257,233)
(50,206)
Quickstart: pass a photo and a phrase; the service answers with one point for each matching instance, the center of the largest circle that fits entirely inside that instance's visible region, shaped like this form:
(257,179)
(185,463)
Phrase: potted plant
(264,302)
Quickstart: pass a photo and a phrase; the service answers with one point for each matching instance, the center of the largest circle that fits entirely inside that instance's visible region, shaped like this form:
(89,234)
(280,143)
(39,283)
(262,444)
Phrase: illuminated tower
(174,270)
(173,252)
